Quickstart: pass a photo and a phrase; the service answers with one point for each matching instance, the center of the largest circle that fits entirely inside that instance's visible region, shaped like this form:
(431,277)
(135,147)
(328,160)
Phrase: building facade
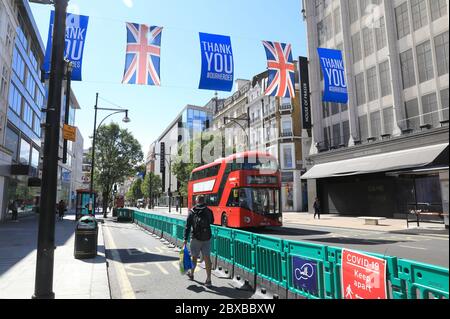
(192,120)
(387,149)
(249,120)
(26,96)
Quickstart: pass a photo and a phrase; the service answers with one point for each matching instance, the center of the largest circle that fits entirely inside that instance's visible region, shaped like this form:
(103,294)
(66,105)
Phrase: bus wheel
(224,221)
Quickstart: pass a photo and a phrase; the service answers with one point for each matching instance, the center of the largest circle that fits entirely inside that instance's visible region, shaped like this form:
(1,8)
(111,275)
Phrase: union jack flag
(142,62)
(281,69)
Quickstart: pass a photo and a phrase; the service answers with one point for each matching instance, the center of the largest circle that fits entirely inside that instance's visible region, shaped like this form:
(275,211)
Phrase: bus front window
(262,201)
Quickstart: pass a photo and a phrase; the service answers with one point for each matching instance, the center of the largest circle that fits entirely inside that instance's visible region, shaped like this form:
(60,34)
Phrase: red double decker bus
(242,190)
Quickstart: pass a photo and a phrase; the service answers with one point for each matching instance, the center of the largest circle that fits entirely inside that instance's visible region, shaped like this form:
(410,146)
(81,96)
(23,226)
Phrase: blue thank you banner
(334,76)
(76,29)
(304,274)
(217,62)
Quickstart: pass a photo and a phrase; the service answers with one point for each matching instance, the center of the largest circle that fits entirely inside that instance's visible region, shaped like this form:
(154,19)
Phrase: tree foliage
(117,153)
(135,192)
(152,186)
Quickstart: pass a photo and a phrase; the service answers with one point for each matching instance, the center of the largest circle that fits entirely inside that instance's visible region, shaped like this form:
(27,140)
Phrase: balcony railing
(287,134)
(285,107)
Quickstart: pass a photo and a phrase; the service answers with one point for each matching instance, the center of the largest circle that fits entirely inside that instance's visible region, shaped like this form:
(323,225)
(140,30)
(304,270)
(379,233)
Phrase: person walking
(13,208)
(316,208)
(200,219)
(61,209)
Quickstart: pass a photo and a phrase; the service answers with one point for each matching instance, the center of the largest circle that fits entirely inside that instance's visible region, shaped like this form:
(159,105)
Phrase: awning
(416,157)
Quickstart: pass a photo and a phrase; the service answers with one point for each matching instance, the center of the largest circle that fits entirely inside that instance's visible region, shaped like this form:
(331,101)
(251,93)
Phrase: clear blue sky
(247,22)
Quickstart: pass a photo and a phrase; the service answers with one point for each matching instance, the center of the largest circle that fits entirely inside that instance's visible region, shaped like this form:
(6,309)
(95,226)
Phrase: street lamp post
(170,173)
(46,233)
(125,120)
(69,68)
(235,120)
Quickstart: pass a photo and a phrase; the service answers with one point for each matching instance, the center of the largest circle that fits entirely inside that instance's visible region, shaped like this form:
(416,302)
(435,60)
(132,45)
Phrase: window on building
(12,142)
(412,114)
(380,34)
(39,99)
(346,132)
(34,157)
(388,119)
(360,89)
(21,34)
(326,109)
(363,127)
(438,8)
(444,102)
(385,79)
(407,65)
(442,53)
(288,156)
(430,109)
(419,13)
(4,83)
(25,152)
(328,27)
(321,32)
(353,10)
(15,99)
(31,84)
(401,15)
(18,65)
(337,20)
(27,115)
(375,123)
(356,45)
(334,108)
(286,126)
(372,86)
(37,125)
(368,41)
(34,61)
(425,61)
(336,135)
(326,137)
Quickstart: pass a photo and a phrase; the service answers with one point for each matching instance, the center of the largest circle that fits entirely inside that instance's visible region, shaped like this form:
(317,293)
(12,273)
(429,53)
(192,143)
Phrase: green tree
(195,153)
(117,153)
(151,187)
(135,193)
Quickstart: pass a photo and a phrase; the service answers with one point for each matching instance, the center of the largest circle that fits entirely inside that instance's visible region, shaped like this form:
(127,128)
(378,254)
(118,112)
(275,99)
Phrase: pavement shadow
(19,239)
(230,292)
(290,231)
(355,241)
(138,256)
(418,232)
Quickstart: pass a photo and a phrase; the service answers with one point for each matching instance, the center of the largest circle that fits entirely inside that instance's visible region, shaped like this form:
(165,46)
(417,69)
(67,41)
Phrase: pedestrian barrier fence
(278,268)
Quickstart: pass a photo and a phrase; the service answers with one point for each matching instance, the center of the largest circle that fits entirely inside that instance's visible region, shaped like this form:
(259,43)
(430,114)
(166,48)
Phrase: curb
(106,259)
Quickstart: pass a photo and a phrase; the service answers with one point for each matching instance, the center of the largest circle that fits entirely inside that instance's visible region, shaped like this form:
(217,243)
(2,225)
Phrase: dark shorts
(198,246)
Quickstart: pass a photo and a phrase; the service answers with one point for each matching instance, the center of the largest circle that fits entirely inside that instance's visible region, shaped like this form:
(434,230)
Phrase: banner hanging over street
(217,62)
(281,69)
(305,93)
(76,29)
(334,76)
(143,54)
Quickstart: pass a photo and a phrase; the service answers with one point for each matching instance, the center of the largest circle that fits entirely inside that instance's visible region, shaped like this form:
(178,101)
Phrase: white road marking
(163,270)
(126,290)
(136,268)
(420,248)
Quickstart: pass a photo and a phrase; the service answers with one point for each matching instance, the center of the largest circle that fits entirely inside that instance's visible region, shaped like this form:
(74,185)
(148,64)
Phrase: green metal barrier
(316,254)
(423,281)
(271,261)
(270,265)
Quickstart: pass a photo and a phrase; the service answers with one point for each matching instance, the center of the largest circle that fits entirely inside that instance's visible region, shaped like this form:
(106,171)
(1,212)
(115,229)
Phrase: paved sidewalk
(338,221)
(72,278)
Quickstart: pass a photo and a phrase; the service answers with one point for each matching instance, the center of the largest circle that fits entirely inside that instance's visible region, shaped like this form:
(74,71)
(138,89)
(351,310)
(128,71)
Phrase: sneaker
(191,276)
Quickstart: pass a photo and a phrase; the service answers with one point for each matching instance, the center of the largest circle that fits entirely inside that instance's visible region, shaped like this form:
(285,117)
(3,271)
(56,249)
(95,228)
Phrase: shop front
(384,185)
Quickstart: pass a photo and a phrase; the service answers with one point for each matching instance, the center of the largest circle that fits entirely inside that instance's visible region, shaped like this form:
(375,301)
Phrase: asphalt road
(426,248)
(142,267)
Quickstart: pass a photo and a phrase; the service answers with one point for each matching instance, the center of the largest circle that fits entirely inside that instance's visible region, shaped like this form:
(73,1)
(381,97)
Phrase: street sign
(70,133)
(363,276)
(304,274)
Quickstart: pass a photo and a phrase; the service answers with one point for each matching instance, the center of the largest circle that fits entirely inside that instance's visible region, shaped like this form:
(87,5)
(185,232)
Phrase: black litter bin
(86,237)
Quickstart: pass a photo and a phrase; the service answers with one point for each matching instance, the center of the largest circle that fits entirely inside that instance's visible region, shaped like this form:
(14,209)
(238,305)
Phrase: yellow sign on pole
(70,133)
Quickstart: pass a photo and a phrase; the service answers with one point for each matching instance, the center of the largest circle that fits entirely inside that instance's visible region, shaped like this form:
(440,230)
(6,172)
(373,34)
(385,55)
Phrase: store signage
(305,93)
